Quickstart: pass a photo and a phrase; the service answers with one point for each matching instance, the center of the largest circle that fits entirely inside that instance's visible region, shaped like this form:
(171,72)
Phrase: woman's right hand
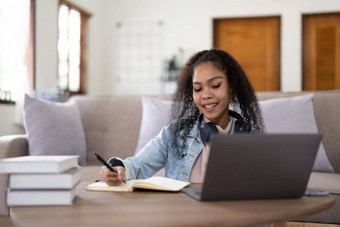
(112,178)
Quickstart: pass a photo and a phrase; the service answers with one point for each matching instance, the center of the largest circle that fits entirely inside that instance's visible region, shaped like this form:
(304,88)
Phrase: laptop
(258,166)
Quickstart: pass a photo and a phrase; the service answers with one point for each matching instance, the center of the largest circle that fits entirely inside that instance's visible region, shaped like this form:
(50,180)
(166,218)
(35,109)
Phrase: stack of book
(41,180)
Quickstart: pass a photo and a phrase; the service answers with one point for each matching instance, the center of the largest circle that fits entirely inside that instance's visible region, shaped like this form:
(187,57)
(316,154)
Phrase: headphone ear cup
(241,127)
(207,130)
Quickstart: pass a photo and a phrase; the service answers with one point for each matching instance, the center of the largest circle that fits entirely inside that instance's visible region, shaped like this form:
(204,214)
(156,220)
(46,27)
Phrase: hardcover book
(65,180)
(38,164)
(40,197)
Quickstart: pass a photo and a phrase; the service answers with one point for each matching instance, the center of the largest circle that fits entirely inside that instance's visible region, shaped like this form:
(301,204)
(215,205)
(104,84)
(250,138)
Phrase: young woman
(210,84)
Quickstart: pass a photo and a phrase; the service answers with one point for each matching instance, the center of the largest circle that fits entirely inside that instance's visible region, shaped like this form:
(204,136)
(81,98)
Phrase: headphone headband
(235,115)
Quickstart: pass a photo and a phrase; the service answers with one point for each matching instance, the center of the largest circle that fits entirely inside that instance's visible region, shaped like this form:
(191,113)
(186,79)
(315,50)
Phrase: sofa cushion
(327,111)
(325,181)
(156,115)
(54,128)
(294,115)
(330,216)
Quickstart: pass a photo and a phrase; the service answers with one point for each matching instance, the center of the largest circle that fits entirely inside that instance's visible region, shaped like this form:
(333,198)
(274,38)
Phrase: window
(72,30)
(16,49)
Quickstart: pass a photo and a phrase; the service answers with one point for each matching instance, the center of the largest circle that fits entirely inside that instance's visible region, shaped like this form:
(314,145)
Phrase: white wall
(7,126)
(188,24)
(46,44)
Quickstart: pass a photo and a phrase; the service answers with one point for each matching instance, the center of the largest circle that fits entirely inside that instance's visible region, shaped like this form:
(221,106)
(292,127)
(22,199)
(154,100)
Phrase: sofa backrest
(112,123)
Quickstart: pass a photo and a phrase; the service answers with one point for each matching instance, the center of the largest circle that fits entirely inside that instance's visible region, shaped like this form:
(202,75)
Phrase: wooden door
(255,44)
(321,51)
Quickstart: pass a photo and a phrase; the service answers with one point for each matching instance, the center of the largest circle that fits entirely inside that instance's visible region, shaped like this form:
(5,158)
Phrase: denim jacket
(177,154)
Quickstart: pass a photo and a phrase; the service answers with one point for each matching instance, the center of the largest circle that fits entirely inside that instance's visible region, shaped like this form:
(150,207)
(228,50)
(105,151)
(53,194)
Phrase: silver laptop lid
(259,166)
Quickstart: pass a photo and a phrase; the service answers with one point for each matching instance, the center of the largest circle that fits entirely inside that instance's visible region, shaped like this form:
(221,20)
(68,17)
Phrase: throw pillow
(54,128)
(294,115)
(156,115)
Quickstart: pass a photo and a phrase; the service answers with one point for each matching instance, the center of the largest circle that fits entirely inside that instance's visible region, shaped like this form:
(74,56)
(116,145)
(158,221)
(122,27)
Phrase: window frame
(84,17)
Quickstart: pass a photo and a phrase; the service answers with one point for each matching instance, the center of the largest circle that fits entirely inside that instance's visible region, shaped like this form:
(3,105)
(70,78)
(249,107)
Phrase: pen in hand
(105,163)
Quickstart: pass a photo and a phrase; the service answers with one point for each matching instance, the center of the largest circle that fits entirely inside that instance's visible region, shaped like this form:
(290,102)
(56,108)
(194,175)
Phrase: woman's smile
(210,107)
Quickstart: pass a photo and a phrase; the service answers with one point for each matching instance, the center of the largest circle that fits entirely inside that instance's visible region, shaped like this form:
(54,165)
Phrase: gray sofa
(112,125)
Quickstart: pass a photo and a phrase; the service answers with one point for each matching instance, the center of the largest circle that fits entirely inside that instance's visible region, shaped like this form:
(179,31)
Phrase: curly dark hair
(243,97)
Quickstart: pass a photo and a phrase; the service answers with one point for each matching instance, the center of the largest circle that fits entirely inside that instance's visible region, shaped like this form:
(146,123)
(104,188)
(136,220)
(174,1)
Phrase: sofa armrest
(13,146)
(10,146)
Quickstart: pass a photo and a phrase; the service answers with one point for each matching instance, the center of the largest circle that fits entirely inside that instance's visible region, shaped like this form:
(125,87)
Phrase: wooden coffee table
(151,208)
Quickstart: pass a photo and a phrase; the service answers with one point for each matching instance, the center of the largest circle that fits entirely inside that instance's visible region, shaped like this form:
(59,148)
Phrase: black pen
(105,163)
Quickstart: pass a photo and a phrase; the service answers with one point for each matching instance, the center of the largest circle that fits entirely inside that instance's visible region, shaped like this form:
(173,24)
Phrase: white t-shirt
(200,165)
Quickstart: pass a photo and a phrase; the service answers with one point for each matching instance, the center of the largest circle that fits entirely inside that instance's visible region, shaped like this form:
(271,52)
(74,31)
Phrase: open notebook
(153,183)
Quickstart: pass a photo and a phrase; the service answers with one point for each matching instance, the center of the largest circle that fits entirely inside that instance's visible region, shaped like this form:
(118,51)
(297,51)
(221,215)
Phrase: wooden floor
(304,224)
